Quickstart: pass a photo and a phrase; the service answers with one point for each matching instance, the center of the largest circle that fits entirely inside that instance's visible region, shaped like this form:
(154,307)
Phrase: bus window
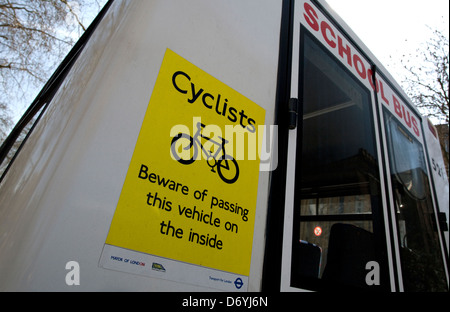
(421,256)
(338,227)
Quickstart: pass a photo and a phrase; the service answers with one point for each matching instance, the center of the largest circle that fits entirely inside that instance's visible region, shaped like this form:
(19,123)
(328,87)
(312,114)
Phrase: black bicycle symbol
(184,149)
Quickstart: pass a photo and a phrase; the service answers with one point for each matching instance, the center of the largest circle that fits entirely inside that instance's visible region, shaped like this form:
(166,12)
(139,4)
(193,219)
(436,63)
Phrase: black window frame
(376,217)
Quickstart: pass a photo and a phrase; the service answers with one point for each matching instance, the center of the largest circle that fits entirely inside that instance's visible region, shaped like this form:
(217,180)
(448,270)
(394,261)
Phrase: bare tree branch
(427,82)
(34,37)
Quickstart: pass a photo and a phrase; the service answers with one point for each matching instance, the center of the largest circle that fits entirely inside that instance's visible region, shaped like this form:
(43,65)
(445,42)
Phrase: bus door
(335,234)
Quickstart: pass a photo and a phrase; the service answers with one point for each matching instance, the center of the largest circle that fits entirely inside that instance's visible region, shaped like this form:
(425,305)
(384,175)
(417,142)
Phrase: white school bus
(236,146)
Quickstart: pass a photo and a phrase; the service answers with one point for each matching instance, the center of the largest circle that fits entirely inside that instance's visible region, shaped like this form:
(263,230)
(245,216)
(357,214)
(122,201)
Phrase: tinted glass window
(421,256)
(337,229)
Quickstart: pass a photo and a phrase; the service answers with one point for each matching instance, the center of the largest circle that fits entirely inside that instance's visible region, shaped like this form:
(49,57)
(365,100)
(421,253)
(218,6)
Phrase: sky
(392,29)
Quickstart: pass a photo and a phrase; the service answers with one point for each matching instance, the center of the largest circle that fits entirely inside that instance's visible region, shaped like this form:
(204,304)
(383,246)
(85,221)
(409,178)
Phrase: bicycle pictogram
(185,150)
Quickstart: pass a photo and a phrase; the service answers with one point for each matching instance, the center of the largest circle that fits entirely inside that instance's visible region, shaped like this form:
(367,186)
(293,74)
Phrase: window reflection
(421,256)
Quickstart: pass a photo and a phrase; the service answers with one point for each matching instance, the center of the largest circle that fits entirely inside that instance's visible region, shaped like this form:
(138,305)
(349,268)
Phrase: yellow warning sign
(191,188)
